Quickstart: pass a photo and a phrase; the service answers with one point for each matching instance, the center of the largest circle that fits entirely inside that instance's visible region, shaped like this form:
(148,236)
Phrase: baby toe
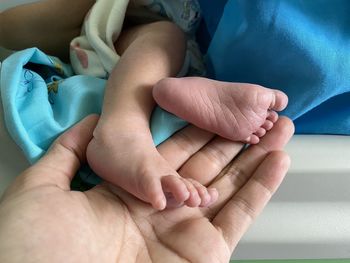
(203,193)
(260,132)
(272,116)
(194,199)
(214,195)
(267,125)
(252,139)
(175,190)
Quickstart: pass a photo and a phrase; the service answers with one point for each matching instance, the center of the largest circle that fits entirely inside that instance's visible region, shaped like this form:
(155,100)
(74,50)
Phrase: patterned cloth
(93,52)
(42,98)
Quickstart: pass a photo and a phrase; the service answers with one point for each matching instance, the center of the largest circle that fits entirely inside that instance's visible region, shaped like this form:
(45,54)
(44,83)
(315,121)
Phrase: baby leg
(48,25)
(122,151)
(236,111)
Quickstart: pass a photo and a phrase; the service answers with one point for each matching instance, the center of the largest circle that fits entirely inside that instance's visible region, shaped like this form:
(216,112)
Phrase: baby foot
(129,160)
(236,111)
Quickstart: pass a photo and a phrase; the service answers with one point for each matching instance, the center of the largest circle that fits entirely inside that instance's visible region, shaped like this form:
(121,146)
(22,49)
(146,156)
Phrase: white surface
(309,217)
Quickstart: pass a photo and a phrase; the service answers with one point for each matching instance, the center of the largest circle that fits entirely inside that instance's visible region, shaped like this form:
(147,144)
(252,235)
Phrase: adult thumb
(59,165)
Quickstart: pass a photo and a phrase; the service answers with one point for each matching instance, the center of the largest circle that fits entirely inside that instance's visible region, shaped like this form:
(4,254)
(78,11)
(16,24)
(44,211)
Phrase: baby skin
(235,111)
(122,151)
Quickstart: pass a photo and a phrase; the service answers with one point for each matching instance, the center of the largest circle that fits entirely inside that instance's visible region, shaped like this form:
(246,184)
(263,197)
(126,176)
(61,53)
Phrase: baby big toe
(175,190)
(280,102)
(152,190)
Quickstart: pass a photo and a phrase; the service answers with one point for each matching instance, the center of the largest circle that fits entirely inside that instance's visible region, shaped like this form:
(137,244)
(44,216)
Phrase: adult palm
(42,220)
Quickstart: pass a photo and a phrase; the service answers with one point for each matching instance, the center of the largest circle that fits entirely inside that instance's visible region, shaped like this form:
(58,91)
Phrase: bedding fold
(42,98)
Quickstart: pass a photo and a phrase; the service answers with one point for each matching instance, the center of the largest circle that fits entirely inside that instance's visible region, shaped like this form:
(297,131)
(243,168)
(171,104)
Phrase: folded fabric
(93,53)
(42,98)
(300,47)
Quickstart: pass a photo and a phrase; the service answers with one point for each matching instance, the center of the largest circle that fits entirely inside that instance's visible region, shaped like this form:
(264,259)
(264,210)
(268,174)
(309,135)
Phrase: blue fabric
(211,13)
(298,46)
(42,99)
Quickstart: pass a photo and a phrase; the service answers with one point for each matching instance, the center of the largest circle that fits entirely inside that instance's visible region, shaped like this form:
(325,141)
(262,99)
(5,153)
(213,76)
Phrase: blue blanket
(42,98)
(298,46)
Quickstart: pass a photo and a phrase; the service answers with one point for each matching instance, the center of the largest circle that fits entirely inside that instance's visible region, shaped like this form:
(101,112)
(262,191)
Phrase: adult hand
(42,220)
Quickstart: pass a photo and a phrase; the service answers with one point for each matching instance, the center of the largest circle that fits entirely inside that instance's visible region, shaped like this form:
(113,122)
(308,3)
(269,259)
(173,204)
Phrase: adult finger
(237,215)
(236,175)
(209,161)
(183,144)
(59,165)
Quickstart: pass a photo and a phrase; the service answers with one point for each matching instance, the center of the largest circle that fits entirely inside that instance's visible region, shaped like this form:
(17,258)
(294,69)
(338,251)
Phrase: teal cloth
(42,99)
(298,46)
